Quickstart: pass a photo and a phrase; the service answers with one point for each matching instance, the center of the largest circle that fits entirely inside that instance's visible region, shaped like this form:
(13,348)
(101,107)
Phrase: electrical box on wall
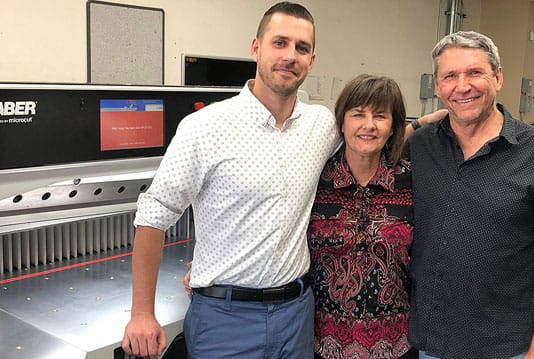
(426,90)
(526,85)
(525,103)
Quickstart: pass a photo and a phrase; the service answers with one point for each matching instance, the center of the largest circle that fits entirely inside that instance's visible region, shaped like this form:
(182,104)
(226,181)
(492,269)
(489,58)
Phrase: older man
(473,189)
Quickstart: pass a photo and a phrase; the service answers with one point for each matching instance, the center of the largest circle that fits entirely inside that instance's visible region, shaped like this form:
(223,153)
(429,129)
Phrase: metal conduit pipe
(455,14)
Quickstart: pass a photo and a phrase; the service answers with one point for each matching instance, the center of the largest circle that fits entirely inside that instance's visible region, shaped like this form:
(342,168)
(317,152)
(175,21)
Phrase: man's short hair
(287,8)
(467,39)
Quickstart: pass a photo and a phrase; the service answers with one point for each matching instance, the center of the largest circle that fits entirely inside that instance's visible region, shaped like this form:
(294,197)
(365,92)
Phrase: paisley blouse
(359,239)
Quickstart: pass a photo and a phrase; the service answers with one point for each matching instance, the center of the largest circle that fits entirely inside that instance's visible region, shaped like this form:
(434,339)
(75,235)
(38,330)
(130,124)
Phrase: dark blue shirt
(473,250)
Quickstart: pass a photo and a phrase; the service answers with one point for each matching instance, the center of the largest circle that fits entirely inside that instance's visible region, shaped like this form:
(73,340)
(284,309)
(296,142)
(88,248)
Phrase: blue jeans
(222,328)
(423,355)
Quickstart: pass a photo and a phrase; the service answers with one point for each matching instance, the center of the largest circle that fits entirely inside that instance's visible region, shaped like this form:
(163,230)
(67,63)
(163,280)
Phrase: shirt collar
(508,130)
(259,113)
(384,176)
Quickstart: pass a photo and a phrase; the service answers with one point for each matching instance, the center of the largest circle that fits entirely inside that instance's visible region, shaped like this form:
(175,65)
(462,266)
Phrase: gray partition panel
(124,44)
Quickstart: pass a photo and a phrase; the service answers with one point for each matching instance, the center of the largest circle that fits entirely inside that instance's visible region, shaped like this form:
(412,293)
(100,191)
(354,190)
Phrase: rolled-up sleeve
(178,179)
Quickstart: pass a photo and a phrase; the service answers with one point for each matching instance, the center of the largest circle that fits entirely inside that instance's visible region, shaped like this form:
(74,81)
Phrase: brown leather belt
(266,295)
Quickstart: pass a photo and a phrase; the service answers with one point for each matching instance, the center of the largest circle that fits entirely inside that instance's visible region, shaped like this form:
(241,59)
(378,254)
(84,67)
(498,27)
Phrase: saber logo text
(19,108)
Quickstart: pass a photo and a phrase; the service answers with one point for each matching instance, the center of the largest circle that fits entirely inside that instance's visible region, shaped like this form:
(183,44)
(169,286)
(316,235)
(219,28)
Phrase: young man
(473,190)
(249,166)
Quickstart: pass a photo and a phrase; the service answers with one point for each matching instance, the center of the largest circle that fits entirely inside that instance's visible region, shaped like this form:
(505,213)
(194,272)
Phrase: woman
(361,228)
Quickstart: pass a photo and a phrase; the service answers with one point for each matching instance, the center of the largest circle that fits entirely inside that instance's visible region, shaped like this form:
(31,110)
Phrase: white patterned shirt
(251,186)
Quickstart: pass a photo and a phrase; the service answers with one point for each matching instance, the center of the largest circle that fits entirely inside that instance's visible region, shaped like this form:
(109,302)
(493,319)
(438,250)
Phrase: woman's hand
(187,279)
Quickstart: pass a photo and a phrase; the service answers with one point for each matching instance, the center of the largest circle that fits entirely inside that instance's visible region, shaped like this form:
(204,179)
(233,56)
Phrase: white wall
(45,41)
(508,26)
(528,70)
(42,41)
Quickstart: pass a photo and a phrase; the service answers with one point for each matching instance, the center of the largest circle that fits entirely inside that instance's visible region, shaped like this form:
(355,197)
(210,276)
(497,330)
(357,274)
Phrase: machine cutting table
(80,309)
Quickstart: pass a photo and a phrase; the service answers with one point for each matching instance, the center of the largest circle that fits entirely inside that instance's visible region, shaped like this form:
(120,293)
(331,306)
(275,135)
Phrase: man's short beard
(283,91)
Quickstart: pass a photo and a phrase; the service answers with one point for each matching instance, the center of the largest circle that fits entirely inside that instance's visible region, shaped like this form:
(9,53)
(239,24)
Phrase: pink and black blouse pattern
(359,239)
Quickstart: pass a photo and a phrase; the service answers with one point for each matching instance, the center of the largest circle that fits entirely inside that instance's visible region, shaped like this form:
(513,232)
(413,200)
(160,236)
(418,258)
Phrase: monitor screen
(216,71)
(127,124)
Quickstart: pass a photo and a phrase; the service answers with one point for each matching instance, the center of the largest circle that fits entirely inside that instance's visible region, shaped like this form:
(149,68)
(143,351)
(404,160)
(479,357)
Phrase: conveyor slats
(45,245)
